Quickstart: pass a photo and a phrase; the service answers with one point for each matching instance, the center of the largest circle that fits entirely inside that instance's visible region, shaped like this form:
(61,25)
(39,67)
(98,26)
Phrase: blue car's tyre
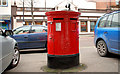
(102,48)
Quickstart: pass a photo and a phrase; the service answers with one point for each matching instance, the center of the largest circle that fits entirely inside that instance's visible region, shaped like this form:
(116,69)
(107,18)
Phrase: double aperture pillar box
(63,39)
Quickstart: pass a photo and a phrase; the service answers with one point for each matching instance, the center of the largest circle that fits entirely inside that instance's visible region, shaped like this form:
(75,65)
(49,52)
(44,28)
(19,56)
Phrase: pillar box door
(59,37)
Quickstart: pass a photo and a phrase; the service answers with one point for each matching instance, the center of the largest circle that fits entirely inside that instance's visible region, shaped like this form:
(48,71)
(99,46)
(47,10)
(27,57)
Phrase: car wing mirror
(8,33)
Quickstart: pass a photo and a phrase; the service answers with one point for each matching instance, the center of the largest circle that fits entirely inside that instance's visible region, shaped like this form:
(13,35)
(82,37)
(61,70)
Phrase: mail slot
(63,39)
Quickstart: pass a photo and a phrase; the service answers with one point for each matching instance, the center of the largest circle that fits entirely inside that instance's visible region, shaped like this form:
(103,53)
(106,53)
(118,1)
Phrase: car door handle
(105,32)
(25,37)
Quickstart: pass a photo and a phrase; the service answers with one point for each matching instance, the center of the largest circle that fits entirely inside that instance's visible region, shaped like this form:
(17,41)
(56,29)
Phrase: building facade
(87,19)
(5,14)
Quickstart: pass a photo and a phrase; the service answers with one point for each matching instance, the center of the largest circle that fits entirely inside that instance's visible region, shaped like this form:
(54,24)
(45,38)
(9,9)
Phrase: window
(92,25)
(83,26)
(3,2)
(0,2)
(102,22)
(115,20)
(109,21)
(38,29)
(118,19)
(22,30)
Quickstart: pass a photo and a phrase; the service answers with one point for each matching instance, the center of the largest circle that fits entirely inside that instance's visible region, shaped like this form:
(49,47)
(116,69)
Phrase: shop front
(5,22)
(87,26)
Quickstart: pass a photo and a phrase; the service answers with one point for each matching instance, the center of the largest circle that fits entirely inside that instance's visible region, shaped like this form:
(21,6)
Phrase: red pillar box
(63,39)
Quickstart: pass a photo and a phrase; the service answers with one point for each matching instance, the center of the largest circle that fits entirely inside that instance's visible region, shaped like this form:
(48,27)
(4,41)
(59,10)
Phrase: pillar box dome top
(64,13)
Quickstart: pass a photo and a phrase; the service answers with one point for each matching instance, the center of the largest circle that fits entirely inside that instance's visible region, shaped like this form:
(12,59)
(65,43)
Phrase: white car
(9,53)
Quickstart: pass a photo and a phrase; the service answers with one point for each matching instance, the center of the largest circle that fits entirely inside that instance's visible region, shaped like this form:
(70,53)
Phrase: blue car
(107,34)
(31,36)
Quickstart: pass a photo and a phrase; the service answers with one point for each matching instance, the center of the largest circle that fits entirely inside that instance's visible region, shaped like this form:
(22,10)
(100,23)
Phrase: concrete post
(79,27)
(88,25)
(44,24)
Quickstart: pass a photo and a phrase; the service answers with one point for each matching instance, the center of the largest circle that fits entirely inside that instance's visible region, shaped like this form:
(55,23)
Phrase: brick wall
(103,4)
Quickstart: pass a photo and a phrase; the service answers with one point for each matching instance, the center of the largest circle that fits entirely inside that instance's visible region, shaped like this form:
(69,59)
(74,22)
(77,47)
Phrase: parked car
(107,34)
(9,53)
(31,36)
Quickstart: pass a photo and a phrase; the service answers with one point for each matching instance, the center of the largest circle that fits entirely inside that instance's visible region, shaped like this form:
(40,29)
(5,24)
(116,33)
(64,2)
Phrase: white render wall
(43,13)
(92,14)
(29,13)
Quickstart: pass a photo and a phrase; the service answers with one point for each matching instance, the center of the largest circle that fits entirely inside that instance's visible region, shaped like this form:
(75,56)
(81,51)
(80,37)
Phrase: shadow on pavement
(114,56)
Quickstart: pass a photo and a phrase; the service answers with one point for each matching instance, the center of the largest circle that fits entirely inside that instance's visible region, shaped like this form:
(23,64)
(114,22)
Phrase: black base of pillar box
(63,61)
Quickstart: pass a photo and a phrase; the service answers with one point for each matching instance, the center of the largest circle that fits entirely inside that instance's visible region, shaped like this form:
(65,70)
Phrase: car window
(45,29)
(102,22)
(109,21)
(22,30)
(118,19)
(38,29)
(115,20)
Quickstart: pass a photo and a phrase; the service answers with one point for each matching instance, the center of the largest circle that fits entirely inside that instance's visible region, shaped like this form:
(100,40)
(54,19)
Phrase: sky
(53,3)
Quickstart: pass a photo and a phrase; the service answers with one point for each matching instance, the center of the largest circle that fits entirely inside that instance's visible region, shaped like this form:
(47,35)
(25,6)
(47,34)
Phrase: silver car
(9,53)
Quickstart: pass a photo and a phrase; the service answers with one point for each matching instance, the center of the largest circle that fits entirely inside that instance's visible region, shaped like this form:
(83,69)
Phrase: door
(66,37)
(38,37)
(113,32)
(0,51)
(21,36)
(101,30)
(59,36)
(50,38)
(6,51)
(74,37)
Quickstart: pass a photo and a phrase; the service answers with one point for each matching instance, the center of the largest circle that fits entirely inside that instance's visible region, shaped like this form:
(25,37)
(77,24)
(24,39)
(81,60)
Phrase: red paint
(66,41)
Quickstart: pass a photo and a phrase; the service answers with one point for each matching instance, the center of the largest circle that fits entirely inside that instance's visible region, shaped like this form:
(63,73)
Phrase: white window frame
(4,5)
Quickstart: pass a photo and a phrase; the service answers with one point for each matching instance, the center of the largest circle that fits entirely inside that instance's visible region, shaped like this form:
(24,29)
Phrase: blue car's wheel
(102,48)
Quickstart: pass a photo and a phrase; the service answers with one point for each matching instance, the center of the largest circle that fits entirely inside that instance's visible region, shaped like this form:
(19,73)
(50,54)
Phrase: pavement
(33,60)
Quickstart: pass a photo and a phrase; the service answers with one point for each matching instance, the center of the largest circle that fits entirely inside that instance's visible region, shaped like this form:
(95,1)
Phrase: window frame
(107,20)
(32,27)
(21,27)
(86,26)
(104,23)
(4,5)
(94,25)
(112,20)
